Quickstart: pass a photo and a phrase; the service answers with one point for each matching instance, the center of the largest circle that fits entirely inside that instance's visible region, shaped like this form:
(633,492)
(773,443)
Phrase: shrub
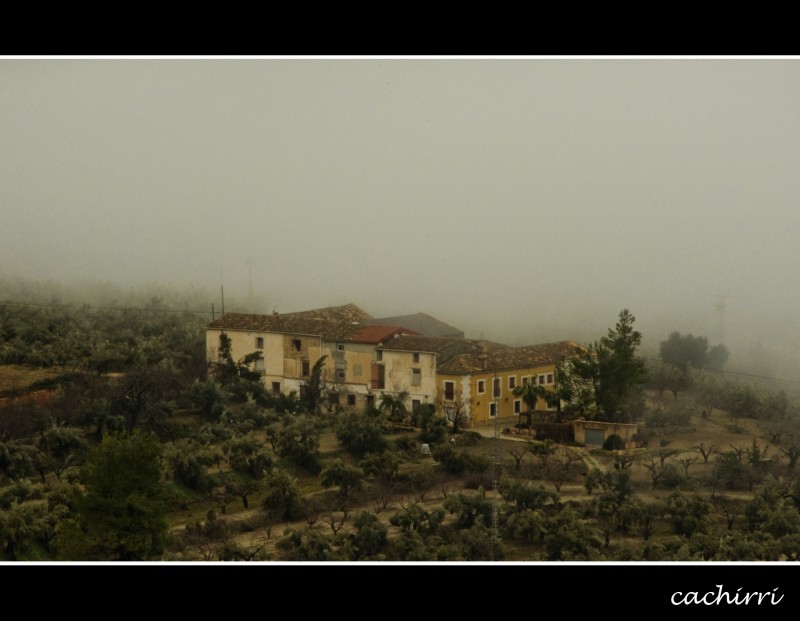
(614,443)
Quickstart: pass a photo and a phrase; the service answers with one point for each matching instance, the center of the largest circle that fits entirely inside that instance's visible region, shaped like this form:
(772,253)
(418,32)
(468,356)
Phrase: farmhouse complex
(415,358)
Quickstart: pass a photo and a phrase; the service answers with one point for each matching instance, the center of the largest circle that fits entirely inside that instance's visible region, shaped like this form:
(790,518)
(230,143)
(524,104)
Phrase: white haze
(521,199)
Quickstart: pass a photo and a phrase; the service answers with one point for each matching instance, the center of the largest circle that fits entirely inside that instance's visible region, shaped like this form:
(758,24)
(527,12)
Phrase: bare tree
(656,470)
(518,454)
(686,462)
(706,451)
(336,516)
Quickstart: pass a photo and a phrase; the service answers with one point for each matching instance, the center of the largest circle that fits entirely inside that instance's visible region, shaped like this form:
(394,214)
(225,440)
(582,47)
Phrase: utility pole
(721,315)
(495,465)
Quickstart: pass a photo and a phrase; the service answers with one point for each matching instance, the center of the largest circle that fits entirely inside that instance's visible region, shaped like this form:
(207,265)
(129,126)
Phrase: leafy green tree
(370,539)
(348,478)
(24,527)
(717,357)
(311,393)
(248,455)
(299,442)
(121,511)
(415,518)
(385,466)
(307,544)
(687,513)
(469,509)
(433,427)
(610,374)
(684,350)
(394,405)
(523,495)
(362,433)
(209,398)
(458,462)
(621,373)
(17,459)
(772,510)
(63,446)
(189,460)
(241,486)
(569,537)
(282,497)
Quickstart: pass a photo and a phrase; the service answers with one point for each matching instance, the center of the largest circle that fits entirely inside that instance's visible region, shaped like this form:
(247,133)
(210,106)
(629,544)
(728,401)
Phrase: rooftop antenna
(250,282)
(495,463)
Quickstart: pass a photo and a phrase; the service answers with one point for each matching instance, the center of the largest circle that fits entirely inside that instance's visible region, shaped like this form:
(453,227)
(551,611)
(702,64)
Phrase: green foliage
(569,538)
(189,461)
(459,462)
(121,513)
(606,382)
(298,441)
(370,538)
(361,433)
(311,392)
(247,455)
(469,509)
(384,466)
(415,518)
(613,443)
(433,427)
(307,544)
(772,510)
(687,514)
(348,478)
(526,496)
(282,498)
(209,398)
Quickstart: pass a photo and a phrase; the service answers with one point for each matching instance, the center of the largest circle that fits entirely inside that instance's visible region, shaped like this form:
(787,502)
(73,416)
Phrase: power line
(721,372)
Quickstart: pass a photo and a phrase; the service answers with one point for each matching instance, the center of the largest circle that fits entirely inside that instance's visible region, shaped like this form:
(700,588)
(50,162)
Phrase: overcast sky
(525,199)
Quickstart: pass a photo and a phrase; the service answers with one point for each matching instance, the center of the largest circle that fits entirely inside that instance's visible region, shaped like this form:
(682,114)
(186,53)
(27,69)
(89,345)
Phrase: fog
(520,199)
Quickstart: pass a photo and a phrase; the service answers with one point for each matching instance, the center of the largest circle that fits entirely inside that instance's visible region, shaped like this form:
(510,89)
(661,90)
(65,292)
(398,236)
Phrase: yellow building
(291,343)
(479,386)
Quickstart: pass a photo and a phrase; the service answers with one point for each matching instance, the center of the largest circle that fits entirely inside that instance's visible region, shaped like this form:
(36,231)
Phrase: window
(481,387)
(339,347)
(525,380)
(379,355)
(415,404)
(370,399)
(259,342)
(333,398)
(492,410)
(496,388)
(549,378)
(541,379)
(351,399)
(416,377)
(512,382)
(276,387)
(340,374)
(260,364)
(416,357)
(449,391)
(517,406)
(357,370)
(296,345)
(305,368)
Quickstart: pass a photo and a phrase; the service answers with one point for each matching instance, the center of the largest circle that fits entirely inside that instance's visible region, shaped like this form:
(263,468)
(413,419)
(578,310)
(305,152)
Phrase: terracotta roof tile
(511,358)
(333,322)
